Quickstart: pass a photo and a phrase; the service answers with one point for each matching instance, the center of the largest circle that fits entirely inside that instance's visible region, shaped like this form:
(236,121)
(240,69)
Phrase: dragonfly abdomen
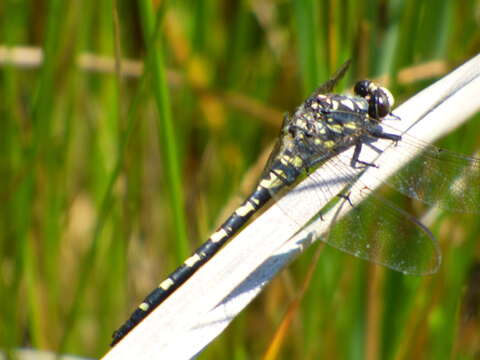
(281,174)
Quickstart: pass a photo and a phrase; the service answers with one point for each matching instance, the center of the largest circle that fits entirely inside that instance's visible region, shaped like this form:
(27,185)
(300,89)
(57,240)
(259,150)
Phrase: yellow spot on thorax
(329,144)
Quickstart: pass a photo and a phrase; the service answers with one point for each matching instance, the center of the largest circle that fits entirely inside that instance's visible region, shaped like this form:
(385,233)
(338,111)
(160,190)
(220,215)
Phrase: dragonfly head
(380,99)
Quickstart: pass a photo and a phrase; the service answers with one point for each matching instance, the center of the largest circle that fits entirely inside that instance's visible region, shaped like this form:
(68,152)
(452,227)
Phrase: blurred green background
(130,129)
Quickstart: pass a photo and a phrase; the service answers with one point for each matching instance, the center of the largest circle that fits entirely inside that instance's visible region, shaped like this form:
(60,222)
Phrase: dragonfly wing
(437,176)
(378,231)
(330,84)
(374,230)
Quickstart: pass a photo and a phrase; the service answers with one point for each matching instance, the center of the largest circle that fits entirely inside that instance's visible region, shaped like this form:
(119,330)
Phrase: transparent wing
(438,176)
(374,230)
(378,231)
(435,175)
(329,85)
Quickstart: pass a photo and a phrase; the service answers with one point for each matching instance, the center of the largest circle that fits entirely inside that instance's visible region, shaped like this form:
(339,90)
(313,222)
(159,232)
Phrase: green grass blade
(166,132)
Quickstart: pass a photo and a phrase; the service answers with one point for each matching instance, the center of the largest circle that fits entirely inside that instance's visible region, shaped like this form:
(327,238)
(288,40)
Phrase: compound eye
(379,105)
(362,88)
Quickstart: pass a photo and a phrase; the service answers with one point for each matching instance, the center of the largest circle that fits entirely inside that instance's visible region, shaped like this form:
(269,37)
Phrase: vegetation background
(130,129)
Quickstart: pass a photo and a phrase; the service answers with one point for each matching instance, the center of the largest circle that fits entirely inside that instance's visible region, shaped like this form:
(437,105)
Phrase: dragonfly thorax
(327,119)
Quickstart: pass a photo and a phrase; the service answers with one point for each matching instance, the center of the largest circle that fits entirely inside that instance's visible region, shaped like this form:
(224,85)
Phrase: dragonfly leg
(355,158)
(346,197)
(378,133)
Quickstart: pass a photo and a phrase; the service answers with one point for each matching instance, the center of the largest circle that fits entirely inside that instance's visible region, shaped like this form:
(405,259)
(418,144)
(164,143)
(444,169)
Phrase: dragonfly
(318,134)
